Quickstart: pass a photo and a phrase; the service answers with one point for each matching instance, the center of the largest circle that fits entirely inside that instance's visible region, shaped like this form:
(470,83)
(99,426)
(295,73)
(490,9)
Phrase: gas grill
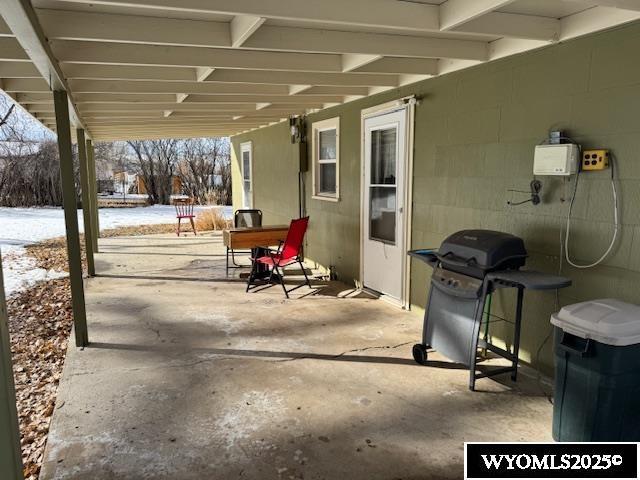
(468,266)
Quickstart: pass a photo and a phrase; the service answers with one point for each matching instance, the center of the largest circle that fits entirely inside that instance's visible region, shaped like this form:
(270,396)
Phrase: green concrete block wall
(475,133)
(275,174)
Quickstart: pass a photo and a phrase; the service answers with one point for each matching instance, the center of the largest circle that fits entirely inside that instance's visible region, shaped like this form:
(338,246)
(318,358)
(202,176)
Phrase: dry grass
(139,230)
(211,219)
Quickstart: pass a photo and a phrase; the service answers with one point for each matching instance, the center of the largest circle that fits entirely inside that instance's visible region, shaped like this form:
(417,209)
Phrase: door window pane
(246,165)
(383,156)
(247,194)
(382,213)
(327,142)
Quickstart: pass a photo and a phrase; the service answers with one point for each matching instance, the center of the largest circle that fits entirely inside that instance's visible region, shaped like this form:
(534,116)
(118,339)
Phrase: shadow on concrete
(285,356)
(319,287)
(173,279)
(115,252)
(114,247)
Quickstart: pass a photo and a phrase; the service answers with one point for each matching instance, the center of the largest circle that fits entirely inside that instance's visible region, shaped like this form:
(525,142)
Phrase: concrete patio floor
(189,377)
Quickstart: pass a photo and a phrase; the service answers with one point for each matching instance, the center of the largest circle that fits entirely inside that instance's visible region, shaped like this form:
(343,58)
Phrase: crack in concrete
(346,352)
(153,367)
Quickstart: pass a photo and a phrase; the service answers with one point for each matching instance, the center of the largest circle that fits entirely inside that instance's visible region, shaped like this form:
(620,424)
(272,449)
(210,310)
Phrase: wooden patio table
(253,237)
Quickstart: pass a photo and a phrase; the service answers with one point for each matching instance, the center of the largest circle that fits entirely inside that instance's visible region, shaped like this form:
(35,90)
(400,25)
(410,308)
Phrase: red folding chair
(288,253)
(184,209)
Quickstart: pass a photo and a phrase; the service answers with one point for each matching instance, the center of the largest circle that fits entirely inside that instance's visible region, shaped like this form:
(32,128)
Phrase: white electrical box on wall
(559,159)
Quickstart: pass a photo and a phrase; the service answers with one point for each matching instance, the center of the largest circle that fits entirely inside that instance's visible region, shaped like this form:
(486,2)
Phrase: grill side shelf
(528,279)
(426,255)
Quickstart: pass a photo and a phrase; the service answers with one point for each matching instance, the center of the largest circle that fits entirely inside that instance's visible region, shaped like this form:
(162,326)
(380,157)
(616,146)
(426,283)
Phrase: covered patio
(189,377)
(176,372)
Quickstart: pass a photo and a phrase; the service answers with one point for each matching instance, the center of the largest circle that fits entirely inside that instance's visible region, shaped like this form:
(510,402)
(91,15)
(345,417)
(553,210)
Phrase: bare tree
(31,179)
(222,188)
(6,116)
(199,168)
(111,157)
(156,160)
(29,166)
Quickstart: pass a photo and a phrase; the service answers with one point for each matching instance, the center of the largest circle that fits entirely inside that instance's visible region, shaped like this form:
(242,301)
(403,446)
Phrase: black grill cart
(468,266)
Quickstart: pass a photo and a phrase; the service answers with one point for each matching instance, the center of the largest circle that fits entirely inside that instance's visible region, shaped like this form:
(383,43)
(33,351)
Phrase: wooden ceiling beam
(454,13)
(191,107)
(20,17)
(100,27)
(18,70)
(365,13)
(129,54)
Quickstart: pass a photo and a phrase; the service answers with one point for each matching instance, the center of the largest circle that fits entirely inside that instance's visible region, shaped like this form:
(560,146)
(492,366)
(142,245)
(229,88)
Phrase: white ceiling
(158,68)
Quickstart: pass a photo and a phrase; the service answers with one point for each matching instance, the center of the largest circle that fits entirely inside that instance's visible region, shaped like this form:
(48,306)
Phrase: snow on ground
(23,226)
(20,271)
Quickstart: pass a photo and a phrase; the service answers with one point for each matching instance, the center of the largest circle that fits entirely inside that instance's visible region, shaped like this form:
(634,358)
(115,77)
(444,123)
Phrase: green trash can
(597,384)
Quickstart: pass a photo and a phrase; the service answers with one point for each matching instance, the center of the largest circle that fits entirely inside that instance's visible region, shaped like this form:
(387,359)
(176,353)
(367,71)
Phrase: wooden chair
(184,209)
(288,253)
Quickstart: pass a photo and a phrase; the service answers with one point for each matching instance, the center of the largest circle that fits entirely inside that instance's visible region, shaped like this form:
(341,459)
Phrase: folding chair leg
(304,273)
(281,275)
(178,231)
(251,275)
(227,265)
(193,226)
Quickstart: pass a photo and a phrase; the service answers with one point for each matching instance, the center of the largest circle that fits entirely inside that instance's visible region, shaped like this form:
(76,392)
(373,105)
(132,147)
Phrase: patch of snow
(20,271)
(23,226)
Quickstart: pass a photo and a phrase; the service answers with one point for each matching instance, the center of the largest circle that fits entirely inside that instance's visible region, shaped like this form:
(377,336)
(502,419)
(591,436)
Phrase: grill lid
(483,249)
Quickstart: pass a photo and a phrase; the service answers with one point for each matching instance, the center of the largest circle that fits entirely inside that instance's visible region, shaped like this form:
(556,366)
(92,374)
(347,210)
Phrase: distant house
(133,183)
(123,181)
(176,185)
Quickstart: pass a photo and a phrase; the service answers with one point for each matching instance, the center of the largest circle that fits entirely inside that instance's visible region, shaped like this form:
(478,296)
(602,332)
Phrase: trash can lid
(608,321)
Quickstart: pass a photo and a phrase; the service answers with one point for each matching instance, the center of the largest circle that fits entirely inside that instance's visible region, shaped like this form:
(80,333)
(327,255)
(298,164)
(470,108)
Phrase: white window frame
(247,147)
(317,127)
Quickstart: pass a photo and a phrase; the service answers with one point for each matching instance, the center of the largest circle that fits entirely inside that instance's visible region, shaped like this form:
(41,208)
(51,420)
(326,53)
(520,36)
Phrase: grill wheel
(420,353)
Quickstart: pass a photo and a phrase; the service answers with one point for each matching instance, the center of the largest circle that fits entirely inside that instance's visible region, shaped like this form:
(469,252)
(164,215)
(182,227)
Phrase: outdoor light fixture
(294,129)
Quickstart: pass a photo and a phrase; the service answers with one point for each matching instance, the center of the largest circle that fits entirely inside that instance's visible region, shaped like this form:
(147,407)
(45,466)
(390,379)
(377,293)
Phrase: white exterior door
(385,155)
(246,155)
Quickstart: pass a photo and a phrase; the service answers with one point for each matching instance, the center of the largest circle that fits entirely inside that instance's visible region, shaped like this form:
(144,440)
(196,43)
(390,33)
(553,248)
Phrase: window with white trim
(326,159)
